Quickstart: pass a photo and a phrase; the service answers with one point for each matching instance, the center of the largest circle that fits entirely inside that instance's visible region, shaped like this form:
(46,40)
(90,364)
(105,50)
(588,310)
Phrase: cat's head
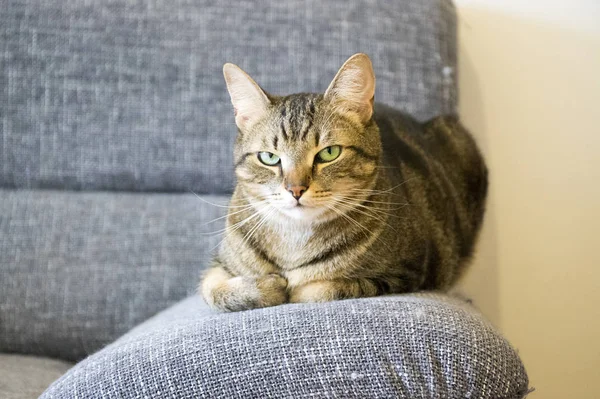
(306,156)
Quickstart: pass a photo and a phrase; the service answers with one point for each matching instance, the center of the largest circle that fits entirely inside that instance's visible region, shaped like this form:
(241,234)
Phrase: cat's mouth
(297,206)
(307,208)
(301,211)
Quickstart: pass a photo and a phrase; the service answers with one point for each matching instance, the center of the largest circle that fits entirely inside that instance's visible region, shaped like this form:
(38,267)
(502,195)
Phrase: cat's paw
(273,290)
(332,290)
(257,292)
(316,291)
(244,293)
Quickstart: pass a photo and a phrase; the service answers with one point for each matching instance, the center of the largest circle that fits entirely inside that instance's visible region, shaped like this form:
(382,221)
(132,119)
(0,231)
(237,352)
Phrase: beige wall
(530,92)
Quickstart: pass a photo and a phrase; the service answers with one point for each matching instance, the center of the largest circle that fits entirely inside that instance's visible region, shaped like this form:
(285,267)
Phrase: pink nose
(297,191)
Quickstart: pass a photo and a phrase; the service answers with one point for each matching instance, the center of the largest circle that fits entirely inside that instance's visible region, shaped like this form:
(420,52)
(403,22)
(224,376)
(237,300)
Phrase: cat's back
(442,174)
(440,145)
(441,136)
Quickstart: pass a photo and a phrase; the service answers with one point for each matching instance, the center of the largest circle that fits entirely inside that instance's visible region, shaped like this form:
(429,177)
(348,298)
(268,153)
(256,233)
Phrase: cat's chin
(304,213)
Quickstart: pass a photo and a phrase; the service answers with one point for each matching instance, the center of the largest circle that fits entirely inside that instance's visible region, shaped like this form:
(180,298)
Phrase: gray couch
(112,112)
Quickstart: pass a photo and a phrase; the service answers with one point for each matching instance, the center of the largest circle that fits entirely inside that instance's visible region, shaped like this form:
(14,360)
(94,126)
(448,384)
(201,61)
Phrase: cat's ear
(249,101)
(353,87)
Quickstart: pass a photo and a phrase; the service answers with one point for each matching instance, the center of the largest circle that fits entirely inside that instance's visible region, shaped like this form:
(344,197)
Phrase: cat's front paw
(272,289)
(331,290)
(245,293)
(233,294)
(316,291)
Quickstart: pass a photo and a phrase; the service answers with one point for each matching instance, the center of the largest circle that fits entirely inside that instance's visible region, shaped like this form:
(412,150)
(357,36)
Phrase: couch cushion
(77,270)
(129,95)
(26,377)
(406,346)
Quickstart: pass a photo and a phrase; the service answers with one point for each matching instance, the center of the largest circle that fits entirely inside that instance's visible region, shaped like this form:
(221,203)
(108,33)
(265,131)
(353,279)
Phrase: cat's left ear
(249,101)
(353,87)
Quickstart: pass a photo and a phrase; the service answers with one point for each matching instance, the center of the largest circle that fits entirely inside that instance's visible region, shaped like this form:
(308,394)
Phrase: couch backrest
(122,95)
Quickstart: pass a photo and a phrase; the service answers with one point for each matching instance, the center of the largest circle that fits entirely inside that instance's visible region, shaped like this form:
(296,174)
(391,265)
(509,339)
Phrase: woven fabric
(414,346)
(77,270)
(129,94)
(26,377)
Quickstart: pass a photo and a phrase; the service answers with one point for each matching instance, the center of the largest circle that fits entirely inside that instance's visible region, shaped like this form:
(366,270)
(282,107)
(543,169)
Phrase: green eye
(329,154)
(268,158)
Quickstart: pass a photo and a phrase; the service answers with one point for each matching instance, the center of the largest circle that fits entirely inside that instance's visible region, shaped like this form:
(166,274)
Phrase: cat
(338,197)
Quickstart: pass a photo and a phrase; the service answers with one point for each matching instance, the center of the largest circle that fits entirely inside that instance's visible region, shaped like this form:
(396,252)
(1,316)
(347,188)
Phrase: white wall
(530,92)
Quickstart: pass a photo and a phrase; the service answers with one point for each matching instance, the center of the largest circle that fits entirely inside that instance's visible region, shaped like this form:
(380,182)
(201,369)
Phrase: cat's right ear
(249,101)
(353,87)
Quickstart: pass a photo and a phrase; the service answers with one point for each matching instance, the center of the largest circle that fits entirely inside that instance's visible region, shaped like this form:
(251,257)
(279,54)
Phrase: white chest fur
(291,242)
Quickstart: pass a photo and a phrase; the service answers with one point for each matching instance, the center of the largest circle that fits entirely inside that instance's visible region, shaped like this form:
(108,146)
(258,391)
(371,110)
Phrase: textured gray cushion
(414,346)
(129,94)
(77,270)
(26,377)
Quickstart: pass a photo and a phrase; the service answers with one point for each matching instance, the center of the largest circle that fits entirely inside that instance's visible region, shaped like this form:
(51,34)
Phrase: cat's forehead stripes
(283,120)
(308,121)
(297,114)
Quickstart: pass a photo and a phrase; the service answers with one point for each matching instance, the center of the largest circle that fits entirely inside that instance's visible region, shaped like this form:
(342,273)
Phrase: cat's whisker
(365,194)
(253,228)
(377,236)
(217,205)
(245,209)
(360,199)
(212,233)
(368,191)
(258,225)
(233,228)
(229,206)
(237,211)
(365,230)
(372,208)
(384,191)
(353,207)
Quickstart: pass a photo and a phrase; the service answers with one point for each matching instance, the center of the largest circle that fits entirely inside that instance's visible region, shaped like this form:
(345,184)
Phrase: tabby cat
(338,197)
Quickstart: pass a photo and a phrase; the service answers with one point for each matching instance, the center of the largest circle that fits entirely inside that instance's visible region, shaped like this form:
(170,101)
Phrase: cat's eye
(329,154)
(268,158)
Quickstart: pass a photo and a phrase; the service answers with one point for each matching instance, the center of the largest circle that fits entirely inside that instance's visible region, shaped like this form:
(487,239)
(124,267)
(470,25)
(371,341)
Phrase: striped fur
(398,211)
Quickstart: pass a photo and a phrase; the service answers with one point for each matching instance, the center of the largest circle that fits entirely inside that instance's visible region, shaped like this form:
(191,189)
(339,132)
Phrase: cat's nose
(297,191)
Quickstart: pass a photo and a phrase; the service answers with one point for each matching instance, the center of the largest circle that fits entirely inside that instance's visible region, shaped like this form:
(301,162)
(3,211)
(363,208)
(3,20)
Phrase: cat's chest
(291,246)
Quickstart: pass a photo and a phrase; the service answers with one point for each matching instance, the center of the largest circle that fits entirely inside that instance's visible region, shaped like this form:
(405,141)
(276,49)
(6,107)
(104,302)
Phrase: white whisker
(356,223)
(231,213)
(261,199)
(352,207)
(257,226)
(233,228)
(360,199)
(372,208)
(370,190)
